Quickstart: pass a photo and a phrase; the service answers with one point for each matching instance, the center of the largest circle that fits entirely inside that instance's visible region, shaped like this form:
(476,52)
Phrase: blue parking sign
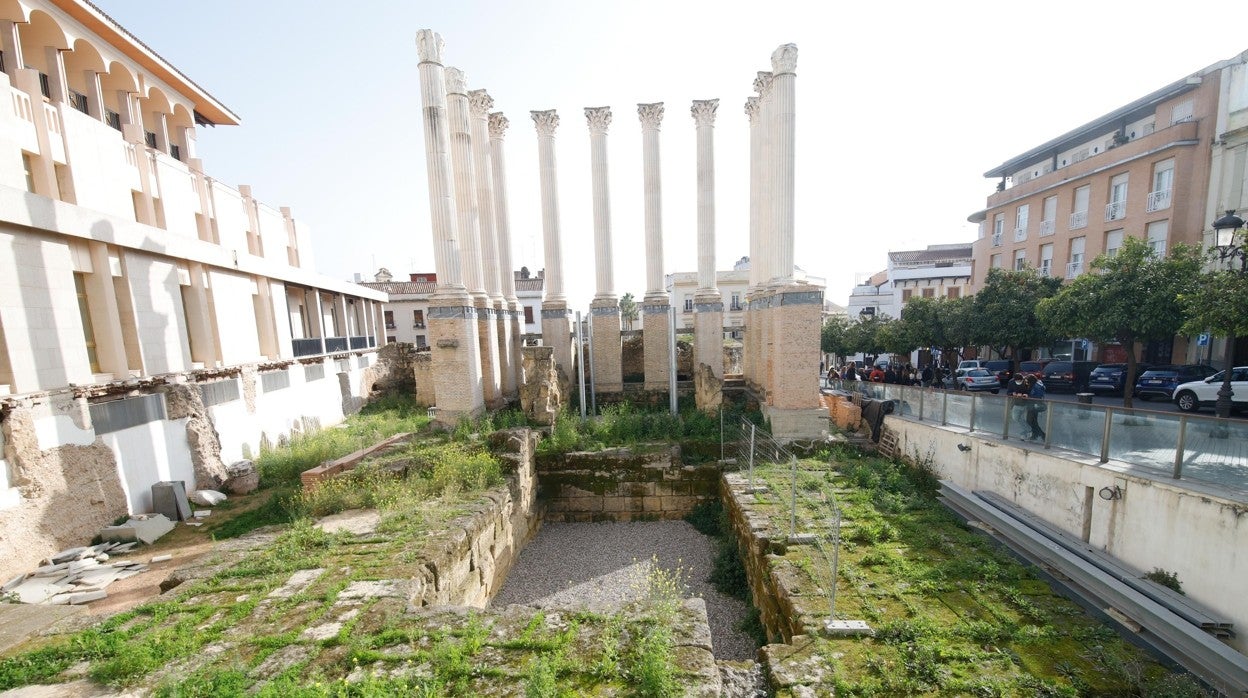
(1202,339)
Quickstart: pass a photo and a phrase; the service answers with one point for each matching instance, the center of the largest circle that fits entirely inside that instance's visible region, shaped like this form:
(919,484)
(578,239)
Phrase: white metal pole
(671,351)
(580,362)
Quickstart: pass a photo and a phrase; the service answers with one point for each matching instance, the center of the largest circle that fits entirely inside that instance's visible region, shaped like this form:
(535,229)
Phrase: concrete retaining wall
(1182,527)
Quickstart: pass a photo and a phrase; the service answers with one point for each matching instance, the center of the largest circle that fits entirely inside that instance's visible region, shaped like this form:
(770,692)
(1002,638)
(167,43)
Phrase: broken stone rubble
(74,576)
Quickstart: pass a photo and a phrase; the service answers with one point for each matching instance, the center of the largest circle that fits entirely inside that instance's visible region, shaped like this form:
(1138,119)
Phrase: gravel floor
(600,565)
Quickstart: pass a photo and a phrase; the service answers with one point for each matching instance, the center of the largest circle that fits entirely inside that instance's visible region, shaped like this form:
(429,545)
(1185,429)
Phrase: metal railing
(996,239)
(1115,210)
(1074,269)
(1158,200)
(1046,228)
(1180,446)
(808,508)
(1020,234)
(1078,219)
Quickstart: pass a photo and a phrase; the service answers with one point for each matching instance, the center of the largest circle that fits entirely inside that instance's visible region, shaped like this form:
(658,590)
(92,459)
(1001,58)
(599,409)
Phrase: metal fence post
(580,362)
(1048,425)
(1109,420)
(593,376)
(1179,448)
(836,554)
(971,422)
(1005,420)
(921,401)
(793,500)
(753,428)
(944,408)
(721,435)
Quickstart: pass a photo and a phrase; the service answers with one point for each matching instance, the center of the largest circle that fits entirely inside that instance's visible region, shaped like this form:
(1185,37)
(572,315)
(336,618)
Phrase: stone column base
(796,315)
(797,424)
(556,334)
(507,369)
(607,370)
(487,336)
(456,350)
(657,352)
(708,333)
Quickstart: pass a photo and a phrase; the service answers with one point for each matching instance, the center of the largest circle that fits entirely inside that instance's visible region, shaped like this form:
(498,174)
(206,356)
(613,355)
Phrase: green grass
(624,425)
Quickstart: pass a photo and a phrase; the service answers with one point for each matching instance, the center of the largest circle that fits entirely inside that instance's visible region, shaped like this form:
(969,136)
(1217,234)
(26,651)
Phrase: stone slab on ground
(298,582)
(19,622)
(360,522)
(146,530)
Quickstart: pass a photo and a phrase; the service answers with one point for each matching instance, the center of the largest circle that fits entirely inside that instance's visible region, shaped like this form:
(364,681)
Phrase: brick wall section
(456,360)
(608,359)
(643,483)
(654,324)
(422,370)
(314,476)
(487,341)
(794,358)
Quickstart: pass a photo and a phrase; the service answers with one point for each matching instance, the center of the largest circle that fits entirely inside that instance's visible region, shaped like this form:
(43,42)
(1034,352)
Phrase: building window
(149,138)
(1116,209)
(116,415)
(996,261)
(219,391)
(420,341)
(1163,182)
(274,380)
(1048,215)
(905,294)
(1182,112)
(1046,259)
(1075,266)
(1020,259)
(313,372)
(736,301)
(1079,210)
(1113,242)
(88,330)
(176,151)
(1158,231)
(688,304)
(998,229)
(953,292)
(1021,219)
(112,118)
(418,319)
(30,173)
(528,315)
(389,318)
(929,293)
(78,101)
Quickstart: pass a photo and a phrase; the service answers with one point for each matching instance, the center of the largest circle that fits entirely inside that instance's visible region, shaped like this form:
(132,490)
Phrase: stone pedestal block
(506,365)
(708,390)
(796,313)
(608,367)
(487,338)
(556,334)
(540,395)
(456,350)
(517,340)
(654,325)
(708,333)
(422,373)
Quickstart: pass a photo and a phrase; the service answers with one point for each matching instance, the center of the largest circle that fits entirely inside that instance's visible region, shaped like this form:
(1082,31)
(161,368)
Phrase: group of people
(1029,386)
(906,374)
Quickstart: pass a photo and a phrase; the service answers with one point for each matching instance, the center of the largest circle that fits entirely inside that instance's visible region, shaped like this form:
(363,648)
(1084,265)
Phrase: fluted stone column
(480,103)
(654,308)
(452,317)
(556,327)
(708,305)
(502,227)
(605,308)
(470,232)
(783,63)
(749,354)
(761,300)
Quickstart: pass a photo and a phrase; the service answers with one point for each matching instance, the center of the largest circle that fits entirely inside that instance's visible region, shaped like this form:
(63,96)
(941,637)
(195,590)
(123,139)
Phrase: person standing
(1035,405)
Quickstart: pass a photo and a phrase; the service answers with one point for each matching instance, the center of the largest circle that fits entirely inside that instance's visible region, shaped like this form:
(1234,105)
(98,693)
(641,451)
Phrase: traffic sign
(1202,339)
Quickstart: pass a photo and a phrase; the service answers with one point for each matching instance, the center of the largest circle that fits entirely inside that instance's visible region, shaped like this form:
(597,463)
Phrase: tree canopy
(940,323)
(1003,313)
(832,336)
(1132,296)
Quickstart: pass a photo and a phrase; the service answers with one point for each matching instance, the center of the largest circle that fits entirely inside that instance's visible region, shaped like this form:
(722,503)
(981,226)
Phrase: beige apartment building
(1142,170)
(155,323)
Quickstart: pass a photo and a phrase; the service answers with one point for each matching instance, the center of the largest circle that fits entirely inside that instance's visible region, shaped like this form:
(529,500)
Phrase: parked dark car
(1160,381)
(1002,368)
(1068,375)
(1109,378)
(1034,368)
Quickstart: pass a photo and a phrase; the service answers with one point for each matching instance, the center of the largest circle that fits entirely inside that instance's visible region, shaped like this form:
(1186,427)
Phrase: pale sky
(901,107)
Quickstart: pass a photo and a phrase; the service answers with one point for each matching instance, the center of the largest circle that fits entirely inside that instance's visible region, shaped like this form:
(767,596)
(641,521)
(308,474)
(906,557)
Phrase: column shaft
(704,114)
(651,117)
(502,225)
(555,325)
(438,164)
(599,119)
(783,63)
(465,181)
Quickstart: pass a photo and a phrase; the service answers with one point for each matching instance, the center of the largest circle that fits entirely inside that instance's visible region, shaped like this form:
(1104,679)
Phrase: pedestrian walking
(1035,405)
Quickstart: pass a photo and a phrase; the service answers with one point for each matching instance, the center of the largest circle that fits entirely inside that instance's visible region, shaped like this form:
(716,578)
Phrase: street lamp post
(1227,231)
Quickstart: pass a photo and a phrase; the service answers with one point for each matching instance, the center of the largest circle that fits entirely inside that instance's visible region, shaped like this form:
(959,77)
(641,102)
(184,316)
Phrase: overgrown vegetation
(1170,580)
(624,424)
(953,612)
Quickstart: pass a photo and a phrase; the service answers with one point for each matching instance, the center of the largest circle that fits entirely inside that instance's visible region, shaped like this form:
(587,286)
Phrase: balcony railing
(736,306)
(418,325)
(1158,200)
(1020,234)
(1078,219)
(359,342)
(1046,228)
(1115,210)
(996,239)
(1074,269)
(335,344)
(1177,446)
(306,347)
(1046,267)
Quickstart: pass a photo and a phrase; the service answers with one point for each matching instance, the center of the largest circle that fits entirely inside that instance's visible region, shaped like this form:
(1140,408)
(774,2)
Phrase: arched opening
(41,39)
(154,109)
(180,122)
(82,64)
(116,85)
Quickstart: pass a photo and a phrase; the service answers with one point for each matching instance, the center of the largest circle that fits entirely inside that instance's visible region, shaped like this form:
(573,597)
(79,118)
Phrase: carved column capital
(651,115)
(546,122)
(751,108)
(762,84)
(498,125)
(703,111)
(784,59)
(429,46)
(599,119)
(480,103)
(456,82)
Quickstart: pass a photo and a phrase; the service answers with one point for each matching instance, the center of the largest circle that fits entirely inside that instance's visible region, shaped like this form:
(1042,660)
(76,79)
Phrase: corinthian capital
(751,108)
(456,82)
(546,122)
(498,125)
(599,119)
(762,84)
(784,59)
(703,111)
(480,103)
(429,46)
(651,115)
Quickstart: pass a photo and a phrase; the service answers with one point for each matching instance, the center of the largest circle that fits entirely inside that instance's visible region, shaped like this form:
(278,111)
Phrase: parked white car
(1190,397)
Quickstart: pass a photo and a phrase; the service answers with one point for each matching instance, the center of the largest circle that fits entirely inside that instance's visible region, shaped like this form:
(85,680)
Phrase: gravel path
(600,565)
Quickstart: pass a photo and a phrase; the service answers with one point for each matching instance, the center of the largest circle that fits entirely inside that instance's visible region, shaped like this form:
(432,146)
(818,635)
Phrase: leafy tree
(1130,297)
(941,323)
(1214,302)
(832,336)
(864,335)
(1004,311)
(628,310)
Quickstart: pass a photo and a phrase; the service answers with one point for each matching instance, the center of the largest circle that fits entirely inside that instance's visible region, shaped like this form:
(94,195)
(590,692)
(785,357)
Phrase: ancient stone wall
(541,395)
(422,375)
(182,400)
(640,483)
(68,493)
(633,359)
